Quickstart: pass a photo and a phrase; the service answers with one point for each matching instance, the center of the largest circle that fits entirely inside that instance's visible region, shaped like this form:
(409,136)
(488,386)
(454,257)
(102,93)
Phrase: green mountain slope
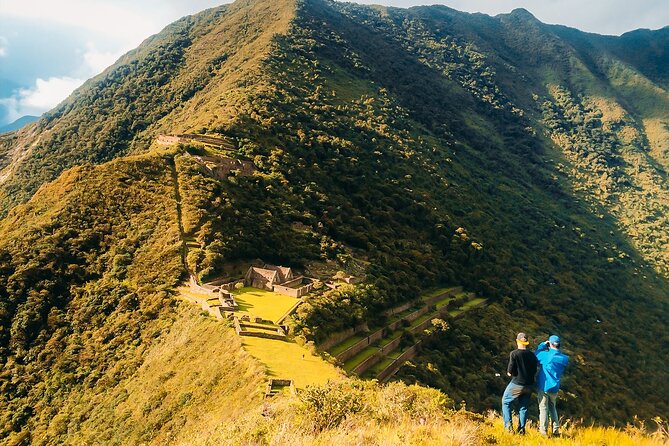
(423,146)
(149,90)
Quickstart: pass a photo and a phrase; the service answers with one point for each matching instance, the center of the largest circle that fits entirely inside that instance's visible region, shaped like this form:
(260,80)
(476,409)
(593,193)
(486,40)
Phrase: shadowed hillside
(413,148)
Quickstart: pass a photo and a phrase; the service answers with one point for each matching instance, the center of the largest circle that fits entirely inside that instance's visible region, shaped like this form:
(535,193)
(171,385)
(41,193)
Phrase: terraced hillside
(406,148)
(406,324)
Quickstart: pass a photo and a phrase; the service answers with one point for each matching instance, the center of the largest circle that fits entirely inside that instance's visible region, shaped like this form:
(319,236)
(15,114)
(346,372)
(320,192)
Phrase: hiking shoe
(521,431)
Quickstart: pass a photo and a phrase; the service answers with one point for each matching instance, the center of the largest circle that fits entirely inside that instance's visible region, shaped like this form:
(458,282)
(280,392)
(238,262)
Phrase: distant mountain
(413,147)
(22,121)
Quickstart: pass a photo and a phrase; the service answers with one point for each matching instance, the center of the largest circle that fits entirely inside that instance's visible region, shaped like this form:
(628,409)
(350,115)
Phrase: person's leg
(507,399)
(552,410)
(542,399)
(523,402)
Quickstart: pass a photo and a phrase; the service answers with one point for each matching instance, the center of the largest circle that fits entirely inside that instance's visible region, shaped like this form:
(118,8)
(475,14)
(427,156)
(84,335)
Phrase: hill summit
(412,148)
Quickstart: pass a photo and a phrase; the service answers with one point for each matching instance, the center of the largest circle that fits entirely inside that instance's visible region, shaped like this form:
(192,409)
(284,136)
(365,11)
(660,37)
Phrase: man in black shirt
(522,369)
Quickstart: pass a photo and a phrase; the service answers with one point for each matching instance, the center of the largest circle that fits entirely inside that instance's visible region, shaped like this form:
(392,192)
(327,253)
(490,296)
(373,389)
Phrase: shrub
(326,407)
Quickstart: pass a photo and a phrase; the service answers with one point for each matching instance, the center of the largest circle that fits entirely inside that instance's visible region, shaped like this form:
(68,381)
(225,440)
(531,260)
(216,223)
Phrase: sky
(48,48)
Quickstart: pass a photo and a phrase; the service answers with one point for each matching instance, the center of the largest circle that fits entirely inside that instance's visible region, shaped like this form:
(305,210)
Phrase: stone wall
(399,309)
(294,292)
(341,336)
(360,345)
(297,287)
(258,334)
(416,314)
(294,283)
(394,366)
(273,384)
(377,357)
(289,312)
(438,297)
(425,324)
(379,334)
(278,335)
(230,286)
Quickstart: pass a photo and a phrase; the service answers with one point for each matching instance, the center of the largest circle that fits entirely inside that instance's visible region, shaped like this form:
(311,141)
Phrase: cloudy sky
(50,47)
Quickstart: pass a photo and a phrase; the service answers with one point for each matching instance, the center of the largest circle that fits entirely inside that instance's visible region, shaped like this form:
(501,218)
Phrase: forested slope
(524,161)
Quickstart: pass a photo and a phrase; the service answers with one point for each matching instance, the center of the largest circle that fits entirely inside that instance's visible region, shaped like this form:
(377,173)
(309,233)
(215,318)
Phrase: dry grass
(574,434)
(282,422)
(193,378)
(393,415)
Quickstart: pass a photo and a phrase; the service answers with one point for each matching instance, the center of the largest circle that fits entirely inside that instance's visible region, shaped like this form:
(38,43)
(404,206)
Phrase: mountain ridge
(423,146)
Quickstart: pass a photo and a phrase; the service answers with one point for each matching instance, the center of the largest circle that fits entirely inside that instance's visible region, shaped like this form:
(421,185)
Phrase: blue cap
(554,339)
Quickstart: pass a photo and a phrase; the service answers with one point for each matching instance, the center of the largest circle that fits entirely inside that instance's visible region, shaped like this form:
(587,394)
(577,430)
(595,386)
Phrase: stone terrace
(379,351)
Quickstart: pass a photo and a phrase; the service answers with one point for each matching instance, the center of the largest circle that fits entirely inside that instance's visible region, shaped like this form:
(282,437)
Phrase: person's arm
(542,347)
(511,369)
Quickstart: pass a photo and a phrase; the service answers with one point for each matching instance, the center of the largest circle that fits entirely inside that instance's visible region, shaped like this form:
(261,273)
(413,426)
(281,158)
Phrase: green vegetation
(526,162)
(86,269)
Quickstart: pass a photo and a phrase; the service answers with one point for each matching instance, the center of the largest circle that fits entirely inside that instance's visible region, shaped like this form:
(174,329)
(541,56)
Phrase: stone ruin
(279,279)
(276,386)
(259,328)
(340,279)
(227,300)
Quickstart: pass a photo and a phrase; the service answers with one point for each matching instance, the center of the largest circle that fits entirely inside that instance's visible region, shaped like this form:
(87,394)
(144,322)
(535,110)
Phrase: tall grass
(351,412)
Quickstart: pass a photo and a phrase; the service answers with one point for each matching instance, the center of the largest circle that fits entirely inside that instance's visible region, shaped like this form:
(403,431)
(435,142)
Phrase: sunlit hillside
(434,182)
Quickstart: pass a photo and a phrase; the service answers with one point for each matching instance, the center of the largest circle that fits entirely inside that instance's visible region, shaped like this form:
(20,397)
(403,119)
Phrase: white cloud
(126,22)
(95,61)
(4,46)
(46,94)
(43,96)
(95,15)
(112,27)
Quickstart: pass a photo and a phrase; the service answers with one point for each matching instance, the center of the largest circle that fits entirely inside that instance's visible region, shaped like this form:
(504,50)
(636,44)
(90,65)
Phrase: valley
(315,222)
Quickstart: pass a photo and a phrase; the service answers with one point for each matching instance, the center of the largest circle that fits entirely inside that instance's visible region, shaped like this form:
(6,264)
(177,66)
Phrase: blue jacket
(553,362)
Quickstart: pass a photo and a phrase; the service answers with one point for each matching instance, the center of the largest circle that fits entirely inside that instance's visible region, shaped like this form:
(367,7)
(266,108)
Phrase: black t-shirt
(523,367)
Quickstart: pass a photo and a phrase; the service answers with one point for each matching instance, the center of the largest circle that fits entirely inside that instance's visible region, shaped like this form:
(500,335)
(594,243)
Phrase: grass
(193,376)
(394,415)
(265,304)
(385,362)
(423,318)
(404,313)
(571,435)
(436,292)
(443,302)
(388,339)
(360,357)
(258,328)
(468,305)
(391,356)
(363,355)
(287,360)
(349,342)
(337,349)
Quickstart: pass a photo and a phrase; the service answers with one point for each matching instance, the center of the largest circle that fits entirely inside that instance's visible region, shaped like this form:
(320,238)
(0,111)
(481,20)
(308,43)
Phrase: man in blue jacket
(552,362)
